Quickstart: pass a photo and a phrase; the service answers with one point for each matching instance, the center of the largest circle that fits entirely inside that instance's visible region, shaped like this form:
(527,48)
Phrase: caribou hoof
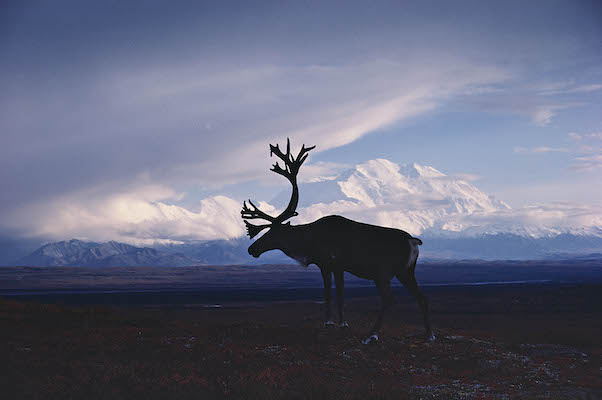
(431,338)
(328,323)
(371,339)
(344,324)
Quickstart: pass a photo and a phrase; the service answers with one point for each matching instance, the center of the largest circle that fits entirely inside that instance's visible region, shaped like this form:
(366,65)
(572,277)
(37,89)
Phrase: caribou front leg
(327,277)
(340,284)
(384,287)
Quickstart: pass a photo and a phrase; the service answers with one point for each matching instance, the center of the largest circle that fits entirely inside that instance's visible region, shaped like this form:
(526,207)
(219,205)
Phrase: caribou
(337,245)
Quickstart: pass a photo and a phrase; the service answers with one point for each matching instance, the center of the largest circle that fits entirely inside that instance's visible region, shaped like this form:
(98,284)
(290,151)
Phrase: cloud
(144,215)
(589,162)
(569,87)
(535,220)
(516,98)
(542,116)
(567,94)
(586,151)
(586,88)
(579,137)
(429,218)
(589,151)
(539,150)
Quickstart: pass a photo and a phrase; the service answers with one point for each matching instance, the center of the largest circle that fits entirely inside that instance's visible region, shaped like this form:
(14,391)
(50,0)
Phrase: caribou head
(275,237)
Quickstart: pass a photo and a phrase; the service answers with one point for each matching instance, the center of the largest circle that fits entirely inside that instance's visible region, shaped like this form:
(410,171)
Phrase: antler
(291,165)
(290,171)
(254,213)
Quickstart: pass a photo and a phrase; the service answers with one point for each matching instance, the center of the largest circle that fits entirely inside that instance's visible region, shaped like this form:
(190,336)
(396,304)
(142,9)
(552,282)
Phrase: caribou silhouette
(336,244)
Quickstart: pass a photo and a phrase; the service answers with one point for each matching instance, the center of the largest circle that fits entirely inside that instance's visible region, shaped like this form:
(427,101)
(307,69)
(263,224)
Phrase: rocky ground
(280,350)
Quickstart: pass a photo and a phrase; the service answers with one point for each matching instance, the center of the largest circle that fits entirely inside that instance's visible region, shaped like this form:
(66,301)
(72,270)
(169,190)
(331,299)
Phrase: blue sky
(109,107)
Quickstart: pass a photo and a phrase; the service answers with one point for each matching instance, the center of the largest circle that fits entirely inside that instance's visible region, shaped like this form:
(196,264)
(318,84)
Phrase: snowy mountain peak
(379,168)
(374,183)
(412,197)
(416,171)
(382,182)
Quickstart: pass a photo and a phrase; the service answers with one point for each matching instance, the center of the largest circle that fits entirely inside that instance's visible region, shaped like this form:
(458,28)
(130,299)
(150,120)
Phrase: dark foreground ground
(494,342)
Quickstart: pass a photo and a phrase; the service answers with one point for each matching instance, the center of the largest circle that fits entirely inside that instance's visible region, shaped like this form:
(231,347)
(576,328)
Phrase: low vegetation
(280,351)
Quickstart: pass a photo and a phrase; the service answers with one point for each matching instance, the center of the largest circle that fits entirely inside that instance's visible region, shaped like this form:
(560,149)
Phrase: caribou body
(337,245)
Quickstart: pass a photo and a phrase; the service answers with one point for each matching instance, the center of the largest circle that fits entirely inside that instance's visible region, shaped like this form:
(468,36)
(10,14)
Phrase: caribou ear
(253,230)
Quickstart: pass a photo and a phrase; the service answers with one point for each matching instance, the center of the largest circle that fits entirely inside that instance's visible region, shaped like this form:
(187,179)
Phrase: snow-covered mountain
(453,217)
(112,254)
(383,183)
(79,253)
(424,201)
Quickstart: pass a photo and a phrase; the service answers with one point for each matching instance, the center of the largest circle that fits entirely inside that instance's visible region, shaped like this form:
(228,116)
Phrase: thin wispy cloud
(568,88)
(585,150)
(539,150)
(589,151)
(514,99)
(580,137)
(542,116)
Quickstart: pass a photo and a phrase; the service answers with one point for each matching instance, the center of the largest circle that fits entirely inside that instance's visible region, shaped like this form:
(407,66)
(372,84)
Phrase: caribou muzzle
(254,252)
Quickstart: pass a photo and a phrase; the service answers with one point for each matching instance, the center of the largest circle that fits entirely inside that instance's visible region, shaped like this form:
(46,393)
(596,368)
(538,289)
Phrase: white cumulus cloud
(145,215)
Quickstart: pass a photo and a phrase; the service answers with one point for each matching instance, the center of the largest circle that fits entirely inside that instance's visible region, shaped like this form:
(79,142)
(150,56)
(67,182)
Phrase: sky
(151,120)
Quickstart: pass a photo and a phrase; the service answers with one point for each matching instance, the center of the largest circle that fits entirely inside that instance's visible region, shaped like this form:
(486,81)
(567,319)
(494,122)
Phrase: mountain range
(79,253)
(234,251)
(454,219)
(112,254)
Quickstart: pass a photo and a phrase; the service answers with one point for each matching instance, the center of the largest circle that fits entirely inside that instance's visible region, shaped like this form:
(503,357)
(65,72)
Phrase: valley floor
(519,342)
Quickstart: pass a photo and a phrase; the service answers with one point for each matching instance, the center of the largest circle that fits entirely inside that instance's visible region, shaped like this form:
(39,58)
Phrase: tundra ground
(512,343)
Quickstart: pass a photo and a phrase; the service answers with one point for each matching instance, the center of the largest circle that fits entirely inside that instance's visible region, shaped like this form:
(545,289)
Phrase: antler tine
(286,158)
(291,163)
(253,230)
(289,156)
(302,156)
(281,171)
(254,213)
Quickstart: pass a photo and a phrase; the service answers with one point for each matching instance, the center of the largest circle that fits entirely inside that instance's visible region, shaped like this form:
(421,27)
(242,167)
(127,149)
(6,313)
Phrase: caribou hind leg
(384,287)
(412,286)
(340,284)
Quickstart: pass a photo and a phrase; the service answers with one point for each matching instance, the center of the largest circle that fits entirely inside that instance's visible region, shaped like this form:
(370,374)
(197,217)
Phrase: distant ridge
(111,254)
(80,253)
(234,251)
